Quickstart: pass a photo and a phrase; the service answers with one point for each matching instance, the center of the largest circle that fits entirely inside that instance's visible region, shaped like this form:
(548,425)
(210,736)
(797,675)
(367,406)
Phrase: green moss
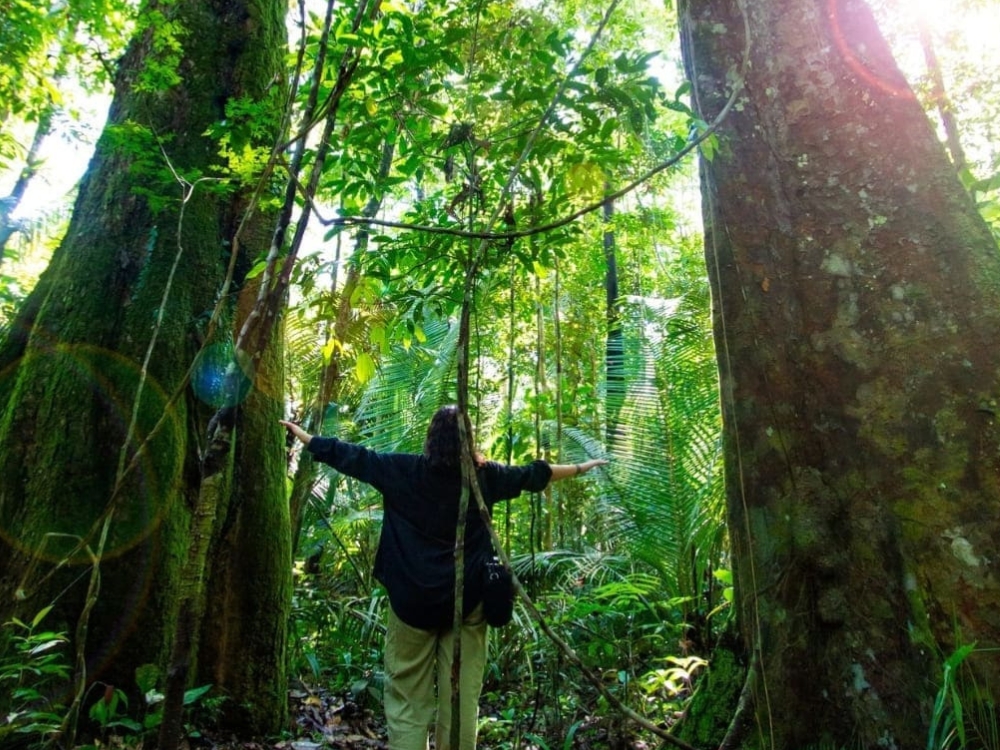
(715,701)
(878,406)
(919,622)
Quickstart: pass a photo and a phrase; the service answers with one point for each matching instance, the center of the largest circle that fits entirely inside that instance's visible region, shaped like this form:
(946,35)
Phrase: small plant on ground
(110,713)
(36,665)
(947,722)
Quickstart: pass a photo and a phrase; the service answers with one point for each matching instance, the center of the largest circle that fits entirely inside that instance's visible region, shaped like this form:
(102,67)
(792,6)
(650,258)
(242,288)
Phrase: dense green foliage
(56,62)
(477,136)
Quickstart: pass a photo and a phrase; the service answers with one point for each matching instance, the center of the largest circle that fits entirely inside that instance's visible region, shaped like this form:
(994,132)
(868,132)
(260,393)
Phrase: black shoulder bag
(498,593)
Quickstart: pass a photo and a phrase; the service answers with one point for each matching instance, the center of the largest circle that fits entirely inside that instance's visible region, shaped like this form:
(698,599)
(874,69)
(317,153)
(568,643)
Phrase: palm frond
(664,497)
(412,383)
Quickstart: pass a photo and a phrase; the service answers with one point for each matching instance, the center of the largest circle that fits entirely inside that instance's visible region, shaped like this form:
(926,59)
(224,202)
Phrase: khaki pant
(411,658)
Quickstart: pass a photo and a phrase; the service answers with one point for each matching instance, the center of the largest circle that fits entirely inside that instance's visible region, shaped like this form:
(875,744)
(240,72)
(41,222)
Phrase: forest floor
(324,721)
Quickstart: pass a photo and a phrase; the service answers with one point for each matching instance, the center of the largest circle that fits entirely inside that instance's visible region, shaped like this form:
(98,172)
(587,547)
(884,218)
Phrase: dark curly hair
(443,444)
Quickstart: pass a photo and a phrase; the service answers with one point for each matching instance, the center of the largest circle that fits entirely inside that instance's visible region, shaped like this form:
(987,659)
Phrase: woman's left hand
(293,428)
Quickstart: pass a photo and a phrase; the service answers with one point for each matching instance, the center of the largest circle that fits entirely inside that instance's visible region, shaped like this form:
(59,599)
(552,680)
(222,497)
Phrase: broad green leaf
(723,576)
(257,269)
(364,368)
(190,696)
(146,677)
(379,339)
(434,108)
(393,59)
(328,349)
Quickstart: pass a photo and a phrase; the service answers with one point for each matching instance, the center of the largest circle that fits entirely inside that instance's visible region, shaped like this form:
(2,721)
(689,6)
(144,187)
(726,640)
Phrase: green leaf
(190,696)
(146,677)
(41,615)
(379,339)
(959,655)
(153,720)
(434,108)
(608,128)
(985,185)
(257,269)
(46,646)
(364,368)
(723,576)
(328,349)
(126,723)
(708,147)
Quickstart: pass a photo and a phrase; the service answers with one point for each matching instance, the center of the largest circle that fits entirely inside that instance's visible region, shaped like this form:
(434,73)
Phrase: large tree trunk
(73,365)
(856,304)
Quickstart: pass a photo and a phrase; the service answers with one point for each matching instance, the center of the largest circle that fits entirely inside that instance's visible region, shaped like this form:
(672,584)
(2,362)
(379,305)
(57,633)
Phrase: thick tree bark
(74,364)
(856,304)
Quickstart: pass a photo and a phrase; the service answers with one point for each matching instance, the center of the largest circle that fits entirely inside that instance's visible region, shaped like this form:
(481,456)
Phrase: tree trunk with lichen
(73,366)
(856,302)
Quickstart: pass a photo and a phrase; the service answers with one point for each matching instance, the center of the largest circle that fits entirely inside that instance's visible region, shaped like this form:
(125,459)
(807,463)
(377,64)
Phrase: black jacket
(415,558)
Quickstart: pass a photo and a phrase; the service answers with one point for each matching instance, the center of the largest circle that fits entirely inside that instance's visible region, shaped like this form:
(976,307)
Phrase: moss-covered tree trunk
(857,303)
(73,364)
(248,593)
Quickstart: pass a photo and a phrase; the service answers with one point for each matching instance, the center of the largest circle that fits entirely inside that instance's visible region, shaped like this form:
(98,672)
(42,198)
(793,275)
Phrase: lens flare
(71,406)
(220,377)
(881,74)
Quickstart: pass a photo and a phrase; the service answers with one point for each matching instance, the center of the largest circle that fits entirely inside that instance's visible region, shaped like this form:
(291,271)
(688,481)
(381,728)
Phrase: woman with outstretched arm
(415,561)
